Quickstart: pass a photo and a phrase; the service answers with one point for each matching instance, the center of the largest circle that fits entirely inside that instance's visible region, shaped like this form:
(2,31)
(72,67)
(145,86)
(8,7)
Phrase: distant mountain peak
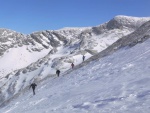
(130,17)
(121,21)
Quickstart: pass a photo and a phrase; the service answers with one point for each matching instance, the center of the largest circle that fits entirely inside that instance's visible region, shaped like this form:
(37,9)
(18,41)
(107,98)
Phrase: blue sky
(27,16)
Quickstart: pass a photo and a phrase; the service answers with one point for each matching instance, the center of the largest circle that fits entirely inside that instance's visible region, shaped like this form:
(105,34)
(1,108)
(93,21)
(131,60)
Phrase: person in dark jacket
(72,65)
(58,72)
(83,57)
(33,85)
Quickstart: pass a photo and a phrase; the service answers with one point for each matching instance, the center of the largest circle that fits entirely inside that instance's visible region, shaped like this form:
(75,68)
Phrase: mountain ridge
(59,49)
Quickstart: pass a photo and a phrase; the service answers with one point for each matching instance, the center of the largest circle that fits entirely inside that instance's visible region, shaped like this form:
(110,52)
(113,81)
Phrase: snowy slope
(118,83)
(18,58)
(36,57)
(17,51)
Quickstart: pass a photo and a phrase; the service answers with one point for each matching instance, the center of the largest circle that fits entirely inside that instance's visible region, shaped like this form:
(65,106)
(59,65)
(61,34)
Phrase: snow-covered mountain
(115,80)
(34,57)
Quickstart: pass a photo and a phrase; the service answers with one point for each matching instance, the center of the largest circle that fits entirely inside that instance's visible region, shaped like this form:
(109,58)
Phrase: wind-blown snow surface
(118,83)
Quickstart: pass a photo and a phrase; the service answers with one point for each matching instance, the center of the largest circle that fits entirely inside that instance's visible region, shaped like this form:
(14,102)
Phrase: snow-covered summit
(74,28)
(121,21)
(119,17)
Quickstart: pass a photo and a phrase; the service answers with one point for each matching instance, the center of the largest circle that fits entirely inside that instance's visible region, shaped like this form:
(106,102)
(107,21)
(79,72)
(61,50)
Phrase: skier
(72,65)
(33,85)
(83,57)
(58,72)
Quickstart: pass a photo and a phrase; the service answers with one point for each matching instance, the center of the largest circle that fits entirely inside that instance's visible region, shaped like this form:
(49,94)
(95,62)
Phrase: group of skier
(33,85)
(58,71)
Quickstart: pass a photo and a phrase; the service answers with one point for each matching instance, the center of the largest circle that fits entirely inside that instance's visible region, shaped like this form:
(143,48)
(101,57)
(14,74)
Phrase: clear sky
(27,16)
